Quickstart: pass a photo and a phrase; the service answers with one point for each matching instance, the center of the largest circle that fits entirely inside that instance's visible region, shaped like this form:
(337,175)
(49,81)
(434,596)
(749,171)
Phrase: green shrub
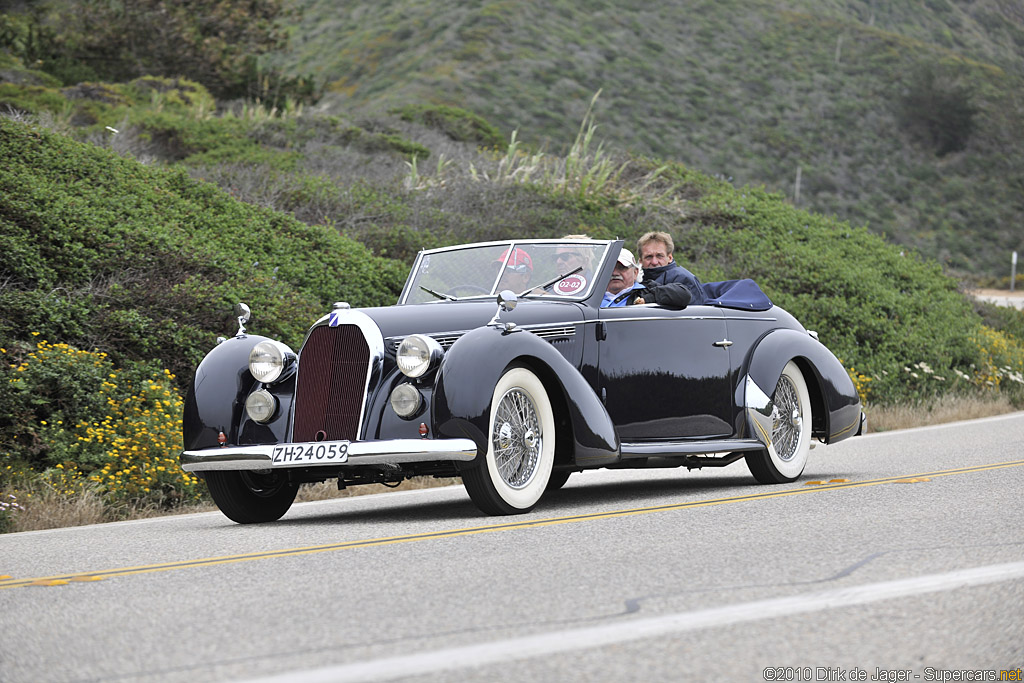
(143,262)
(33,99)
(456,123)
(383,142)
(77,422)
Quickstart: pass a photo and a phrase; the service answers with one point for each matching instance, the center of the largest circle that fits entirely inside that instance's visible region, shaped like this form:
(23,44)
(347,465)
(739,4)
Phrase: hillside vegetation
(134,214)
(907,117)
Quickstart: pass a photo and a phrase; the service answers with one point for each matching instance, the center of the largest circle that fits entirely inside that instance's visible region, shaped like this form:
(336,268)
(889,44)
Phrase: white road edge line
(448,659)
(944,425)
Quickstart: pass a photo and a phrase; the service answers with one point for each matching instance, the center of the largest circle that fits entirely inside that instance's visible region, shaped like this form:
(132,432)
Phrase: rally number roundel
(574,284)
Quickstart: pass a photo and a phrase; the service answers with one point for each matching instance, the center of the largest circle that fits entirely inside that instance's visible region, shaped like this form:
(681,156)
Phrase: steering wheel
(468,289)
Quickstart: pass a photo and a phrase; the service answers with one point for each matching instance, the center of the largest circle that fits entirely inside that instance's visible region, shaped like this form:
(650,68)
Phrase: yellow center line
(453,533)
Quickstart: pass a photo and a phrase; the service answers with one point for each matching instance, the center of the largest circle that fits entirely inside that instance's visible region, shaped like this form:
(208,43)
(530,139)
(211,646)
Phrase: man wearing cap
(516,272)
(624,287)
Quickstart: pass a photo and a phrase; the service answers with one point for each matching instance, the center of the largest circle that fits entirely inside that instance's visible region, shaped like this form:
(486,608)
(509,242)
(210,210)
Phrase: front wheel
(520,448)
(791,434)
(250,497)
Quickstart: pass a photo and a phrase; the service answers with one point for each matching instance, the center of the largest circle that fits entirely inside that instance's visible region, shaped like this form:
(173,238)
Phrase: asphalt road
(910,566)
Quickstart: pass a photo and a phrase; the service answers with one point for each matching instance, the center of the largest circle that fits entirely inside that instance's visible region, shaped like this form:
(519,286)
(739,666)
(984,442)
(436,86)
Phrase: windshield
(530,268)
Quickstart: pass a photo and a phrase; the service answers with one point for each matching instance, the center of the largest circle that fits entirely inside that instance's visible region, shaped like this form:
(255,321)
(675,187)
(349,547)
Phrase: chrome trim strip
(680,317)
(374,340)
(712,448)
(447,338)
(542,330)
(394,451)
(761,414)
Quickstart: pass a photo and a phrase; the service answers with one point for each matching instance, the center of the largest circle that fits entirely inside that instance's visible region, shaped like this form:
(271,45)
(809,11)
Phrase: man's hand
(639,300)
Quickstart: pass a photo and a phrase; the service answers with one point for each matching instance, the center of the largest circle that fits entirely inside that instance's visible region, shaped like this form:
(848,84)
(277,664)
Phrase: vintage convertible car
(499,366)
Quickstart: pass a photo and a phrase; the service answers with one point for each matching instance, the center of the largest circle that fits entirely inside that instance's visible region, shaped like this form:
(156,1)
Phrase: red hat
(519,262)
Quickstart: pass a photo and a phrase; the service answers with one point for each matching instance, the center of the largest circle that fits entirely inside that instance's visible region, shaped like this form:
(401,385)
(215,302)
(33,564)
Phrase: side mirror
(507,300)
(243,314)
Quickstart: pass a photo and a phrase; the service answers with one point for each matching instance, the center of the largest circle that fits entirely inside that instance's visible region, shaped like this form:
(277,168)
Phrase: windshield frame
(412,283)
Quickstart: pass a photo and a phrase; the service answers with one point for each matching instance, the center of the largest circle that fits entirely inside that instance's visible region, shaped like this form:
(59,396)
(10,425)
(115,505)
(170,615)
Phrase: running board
(684,448)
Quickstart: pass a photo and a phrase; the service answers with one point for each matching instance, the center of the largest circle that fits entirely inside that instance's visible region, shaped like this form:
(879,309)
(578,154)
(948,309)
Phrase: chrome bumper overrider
(394,451)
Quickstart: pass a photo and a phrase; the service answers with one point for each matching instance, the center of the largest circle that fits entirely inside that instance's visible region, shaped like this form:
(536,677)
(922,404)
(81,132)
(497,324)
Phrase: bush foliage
(86,424)
(146,263)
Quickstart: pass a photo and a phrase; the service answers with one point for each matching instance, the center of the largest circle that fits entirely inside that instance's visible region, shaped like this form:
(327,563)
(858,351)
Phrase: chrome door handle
(724,342)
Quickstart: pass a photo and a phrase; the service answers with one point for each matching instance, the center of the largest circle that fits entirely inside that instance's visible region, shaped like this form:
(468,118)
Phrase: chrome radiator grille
(331,385)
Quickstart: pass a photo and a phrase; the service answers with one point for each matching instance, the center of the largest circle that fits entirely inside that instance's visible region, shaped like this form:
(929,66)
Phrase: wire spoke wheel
(514,474)
(789,420)
(791,431)
(518,439)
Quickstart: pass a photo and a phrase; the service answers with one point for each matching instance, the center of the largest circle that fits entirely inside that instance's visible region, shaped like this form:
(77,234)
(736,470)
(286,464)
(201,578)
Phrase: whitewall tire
(791,433)
(521,447)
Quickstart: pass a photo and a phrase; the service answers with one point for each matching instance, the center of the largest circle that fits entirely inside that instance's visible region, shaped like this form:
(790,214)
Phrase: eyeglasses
(566,255)
(519,270)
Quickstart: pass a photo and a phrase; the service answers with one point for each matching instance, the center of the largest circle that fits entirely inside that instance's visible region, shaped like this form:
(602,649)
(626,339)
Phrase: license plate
(313,453)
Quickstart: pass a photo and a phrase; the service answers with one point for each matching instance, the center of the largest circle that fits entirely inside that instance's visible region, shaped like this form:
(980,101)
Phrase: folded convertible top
(743,294)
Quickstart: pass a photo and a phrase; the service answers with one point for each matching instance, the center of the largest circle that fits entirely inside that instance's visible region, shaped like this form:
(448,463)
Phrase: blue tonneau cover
(743,294)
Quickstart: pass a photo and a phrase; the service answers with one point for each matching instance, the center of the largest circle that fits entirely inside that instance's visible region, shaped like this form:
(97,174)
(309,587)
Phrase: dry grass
(44,508)
(48,509)
(946,409)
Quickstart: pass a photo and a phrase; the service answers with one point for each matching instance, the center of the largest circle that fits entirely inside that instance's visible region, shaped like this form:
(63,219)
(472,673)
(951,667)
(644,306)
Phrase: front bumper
(390,452)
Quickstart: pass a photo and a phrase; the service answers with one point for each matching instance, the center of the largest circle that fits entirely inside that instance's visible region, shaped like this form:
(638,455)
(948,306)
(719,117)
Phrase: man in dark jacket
(660,267)
(625,290)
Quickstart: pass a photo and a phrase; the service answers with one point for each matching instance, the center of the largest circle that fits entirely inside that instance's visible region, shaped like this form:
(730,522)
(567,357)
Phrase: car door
(665,374)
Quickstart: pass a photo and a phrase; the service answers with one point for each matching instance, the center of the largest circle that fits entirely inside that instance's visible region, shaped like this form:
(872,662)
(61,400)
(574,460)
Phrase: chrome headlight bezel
(418,354)
(271,361)
(406,401)
(261,406)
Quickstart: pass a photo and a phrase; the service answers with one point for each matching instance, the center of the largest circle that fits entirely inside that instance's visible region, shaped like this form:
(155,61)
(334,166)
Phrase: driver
(569,256)
(517,271)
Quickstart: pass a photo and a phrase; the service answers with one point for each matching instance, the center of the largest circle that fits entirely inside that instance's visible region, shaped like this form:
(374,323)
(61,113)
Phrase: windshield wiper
(551,282)
(447,297)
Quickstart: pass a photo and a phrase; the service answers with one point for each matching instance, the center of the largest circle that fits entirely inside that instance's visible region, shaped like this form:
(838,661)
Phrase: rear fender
(470,370)
(836,405)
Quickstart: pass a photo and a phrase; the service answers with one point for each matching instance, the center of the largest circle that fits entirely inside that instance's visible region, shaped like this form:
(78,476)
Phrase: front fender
(216,398)
(833,393)
(471,369)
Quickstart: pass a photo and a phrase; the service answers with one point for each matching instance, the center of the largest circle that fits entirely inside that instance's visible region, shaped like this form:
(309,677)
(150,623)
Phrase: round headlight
(405,400)
(261,405)
(417,354)
(269,359)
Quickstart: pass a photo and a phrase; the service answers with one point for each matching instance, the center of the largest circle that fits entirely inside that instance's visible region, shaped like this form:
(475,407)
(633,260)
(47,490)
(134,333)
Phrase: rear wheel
(791,434)
(250,497)
(520,449)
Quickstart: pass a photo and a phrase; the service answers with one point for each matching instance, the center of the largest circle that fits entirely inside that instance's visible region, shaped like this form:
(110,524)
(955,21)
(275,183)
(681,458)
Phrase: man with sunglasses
(568,259)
